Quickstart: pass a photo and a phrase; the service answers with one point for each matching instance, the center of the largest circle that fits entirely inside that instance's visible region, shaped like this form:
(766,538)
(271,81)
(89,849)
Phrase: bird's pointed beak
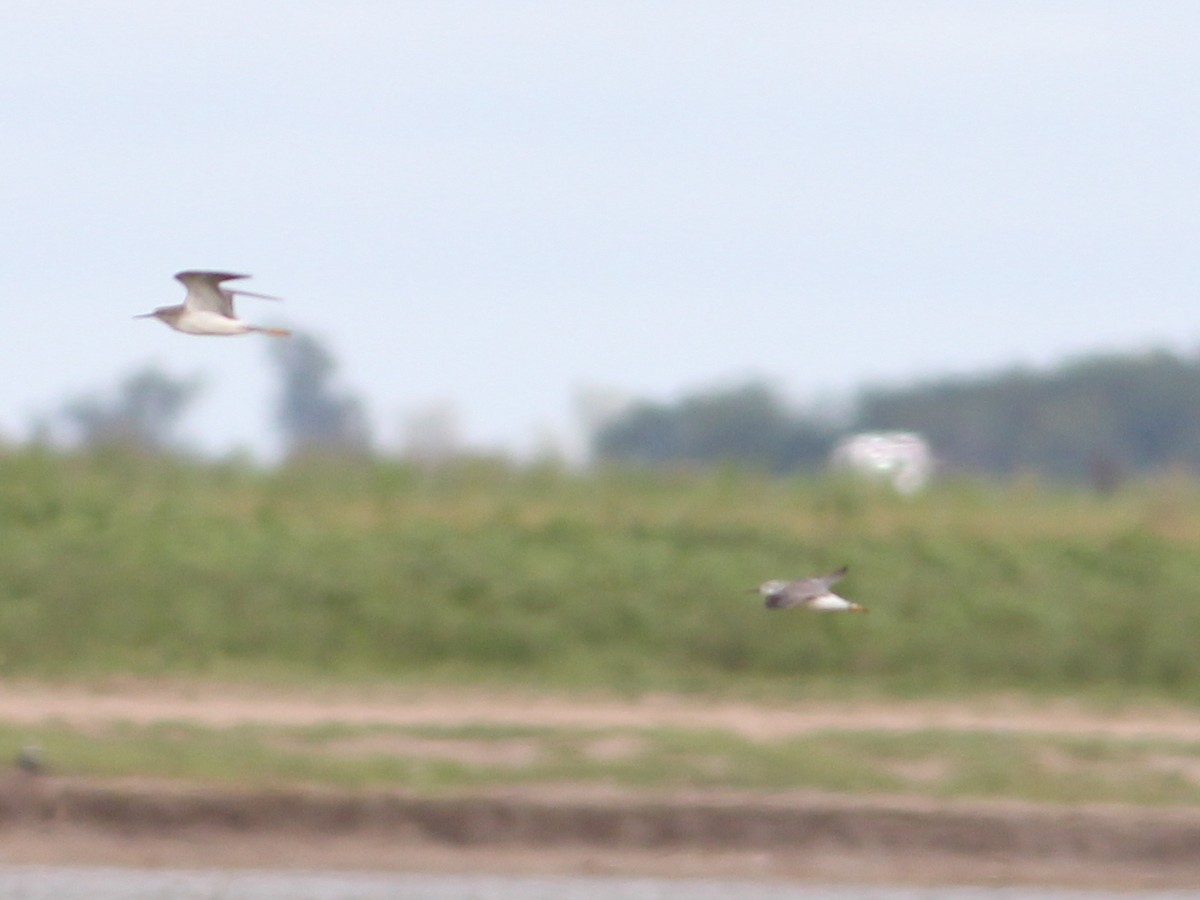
(144,316)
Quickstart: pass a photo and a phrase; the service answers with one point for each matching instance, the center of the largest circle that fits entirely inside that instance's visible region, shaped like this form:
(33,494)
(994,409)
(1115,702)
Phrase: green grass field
(612,581)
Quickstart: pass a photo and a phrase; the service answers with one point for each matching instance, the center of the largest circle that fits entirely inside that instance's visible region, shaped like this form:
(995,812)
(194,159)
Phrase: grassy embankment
(623,582)
(613,582)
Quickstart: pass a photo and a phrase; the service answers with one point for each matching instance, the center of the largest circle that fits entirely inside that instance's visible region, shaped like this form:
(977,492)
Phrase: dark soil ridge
(543,818)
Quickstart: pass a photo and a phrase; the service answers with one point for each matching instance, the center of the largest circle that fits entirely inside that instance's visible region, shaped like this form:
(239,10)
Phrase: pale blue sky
(498,204)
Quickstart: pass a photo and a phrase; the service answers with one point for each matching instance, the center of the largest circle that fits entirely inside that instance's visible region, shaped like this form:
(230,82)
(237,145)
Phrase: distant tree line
(144,411)
(1111,413)
(1095,419)
(749,424)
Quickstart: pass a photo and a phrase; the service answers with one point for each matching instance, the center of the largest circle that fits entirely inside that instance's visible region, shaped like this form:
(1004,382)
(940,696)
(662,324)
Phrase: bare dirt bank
(548,829)
(67,821)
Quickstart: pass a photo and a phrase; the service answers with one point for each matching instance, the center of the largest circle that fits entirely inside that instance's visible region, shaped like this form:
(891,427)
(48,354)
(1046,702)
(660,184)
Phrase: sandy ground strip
(215,705)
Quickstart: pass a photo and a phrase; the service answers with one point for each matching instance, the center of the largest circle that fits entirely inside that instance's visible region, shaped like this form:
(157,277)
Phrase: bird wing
(798,592)
(204,291)
(835,575)
(252,294)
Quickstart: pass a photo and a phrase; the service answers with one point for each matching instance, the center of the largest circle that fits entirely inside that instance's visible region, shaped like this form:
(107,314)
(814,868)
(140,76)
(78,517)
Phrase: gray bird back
(798,592)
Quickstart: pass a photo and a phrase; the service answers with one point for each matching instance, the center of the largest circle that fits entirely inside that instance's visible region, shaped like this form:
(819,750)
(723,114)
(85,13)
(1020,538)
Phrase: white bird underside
(830,603)
(203,321)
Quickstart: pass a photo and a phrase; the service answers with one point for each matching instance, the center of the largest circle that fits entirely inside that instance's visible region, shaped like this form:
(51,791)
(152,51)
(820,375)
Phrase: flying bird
(810,593)
(208,307)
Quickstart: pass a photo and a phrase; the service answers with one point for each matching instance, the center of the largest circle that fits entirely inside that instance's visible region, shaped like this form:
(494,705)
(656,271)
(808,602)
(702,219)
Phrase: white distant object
(901,458)
(208,307)
(809,593)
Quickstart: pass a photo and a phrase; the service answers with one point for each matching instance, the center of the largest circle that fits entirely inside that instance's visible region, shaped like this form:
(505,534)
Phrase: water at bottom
(86,883)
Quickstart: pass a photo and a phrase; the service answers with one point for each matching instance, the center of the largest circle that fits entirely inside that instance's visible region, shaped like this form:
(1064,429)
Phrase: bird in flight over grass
(208,307)
(810,593)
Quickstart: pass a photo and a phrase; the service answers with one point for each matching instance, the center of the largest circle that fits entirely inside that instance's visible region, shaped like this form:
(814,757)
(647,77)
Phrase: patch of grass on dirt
(933,763)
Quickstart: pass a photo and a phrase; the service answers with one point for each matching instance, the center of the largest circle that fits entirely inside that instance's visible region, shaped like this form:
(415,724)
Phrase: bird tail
(273,332)
(857,607)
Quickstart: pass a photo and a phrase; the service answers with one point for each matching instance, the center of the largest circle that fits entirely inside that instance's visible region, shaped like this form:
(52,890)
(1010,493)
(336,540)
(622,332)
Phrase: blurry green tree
(747,424)
(141,416)
(1085,420)
(313,417)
